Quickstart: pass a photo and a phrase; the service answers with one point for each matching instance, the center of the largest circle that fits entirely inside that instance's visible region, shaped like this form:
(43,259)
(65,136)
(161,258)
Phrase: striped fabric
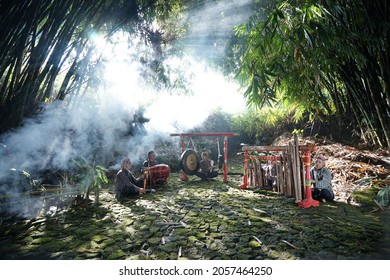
(159,174)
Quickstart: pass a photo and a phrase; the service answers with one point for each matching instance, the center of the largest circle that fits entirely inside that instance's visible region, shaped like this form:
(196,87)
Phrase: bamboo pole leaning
(289,168)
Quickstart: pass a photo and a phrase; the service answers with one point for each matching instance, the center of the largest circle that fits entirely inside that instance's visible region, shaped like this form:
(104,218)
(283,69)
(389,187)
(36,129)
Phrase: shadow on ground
(200,220)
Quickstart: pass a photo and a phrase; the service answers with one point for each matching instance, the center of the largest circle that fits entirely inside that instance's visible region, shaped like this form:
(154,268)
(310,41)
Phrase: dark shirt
(125,178)
(148,163)
(204,166)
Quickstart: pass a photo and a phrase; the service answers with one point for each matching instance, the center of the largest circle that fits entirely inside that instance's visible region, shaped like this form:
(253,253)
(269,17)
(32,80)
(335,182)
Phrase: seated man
(156,173)
(151,161)
(125,182)
(206,168)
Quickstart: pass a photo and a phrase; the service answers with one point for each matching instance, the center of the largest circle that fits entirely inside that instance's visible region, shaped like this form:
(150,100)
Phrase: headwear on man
(322,158)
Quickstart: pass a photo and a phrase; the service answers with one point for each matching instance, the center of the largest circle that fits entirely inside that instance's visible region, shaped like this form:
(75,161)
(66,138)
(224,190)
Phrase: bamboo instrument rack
(291,172)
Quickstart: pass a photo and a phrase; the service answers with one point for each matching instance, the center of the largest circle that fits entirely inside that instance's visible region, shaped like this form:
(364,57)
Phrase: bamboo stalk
(293,169)
(303,174)
(250,173)
(255,173)
(297,173)
(289,166)
(286,174)
(301,178)
(279,177)
(284,189)
(260,179)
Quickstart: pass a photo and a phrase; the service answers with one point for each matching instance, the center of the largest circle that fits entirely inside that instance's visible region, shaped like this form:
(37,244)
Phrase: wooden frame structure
(296,169)
(225,135)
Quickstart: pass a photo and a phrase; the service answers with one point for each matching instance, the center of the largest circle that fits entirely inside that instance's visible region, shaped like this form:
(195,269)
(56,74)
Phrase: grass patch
(366,196)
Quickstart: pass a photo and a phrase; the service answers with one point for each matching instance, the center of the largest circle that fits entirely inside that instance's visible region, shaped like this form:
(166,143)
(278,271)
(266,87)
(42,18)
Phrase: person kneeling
(206,168)
(125,182)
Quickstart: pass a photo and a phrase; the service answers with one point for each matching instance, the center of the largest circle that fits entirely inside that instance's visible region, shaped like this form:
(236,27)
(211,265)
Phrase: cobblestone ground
(200,220)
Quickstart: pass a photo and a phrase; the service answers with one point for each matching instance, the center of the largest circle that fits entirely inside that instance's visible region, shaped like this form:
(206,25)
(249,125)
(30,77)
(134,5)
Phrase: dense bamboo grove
(330,57)
(46,50)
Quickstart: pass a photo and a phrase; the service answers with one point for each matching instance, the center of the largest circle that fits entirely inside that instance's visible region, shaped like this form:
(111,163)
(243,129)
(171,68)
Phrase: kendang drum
(159,174)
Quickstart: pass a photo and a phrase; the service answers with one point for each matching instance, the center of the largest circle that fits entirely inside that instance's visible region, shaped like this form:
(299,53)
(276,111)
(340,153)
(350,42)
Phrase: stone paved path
(200,220)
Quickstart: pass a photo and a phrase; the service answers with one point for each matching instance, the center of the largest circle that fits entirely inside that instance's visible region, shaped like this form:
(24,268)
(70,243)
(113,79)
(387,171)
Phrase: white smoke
(96,126)
(210,92)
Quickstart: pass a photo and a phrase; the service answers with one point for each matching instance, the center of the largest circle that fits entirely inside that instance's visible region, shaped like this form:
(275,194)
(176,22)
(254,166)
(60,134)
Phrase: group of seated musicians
(153,174)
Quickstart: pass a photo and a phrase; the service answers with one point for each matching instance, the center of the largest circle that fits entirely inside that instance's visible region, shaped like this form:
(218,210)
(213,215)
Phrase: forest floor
(216,220)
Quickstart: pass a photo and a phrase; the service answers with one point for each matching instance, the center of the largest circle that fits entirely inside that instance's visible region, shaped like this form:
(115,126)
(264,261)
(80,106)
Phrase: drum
(159,174)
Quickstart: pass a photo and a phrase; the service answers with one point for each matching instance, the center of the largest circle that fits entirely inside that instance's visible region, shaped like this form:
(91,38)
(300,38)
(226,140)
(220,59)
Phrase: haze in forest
(102,127)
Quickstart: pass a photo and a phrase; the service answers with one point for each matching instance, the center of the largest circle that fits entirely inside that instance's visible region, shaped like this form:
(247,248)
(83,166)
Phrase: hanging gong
(189,162)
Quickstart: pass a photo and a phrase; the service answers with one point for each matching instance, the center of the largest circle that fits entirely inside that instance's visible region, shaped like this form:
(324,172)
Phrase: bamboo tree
(40,36)
(324,55)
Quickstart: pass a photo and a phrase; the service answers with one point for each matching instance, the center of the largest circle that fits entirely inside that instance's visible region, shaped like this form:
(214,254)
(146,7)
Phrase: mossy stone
(254,244)
(216,235)
(154,241)
(99,238)
(169,248)
(119,254)
(41,240)
(201,236)
(192,239)
(244,250)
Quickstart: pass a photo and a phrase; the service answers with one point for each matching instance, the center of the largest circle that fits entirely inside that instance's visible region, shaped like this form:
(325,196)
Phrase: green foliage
(49,49)
(264,125)
(93,178)
(371,187)
(277,64)
(324,56)
(366,196)
(297,131)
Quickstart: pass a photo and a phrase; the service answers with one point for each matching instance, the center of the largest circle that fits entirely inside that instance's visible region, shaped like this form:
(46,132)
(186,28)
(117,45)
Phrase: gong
(189,162)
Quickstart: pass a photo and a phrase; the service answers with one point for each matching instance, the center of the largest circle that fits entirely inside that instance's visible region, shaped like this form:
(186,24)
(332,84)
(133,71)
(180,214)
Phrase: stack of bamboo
(289,169)
(256,174)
